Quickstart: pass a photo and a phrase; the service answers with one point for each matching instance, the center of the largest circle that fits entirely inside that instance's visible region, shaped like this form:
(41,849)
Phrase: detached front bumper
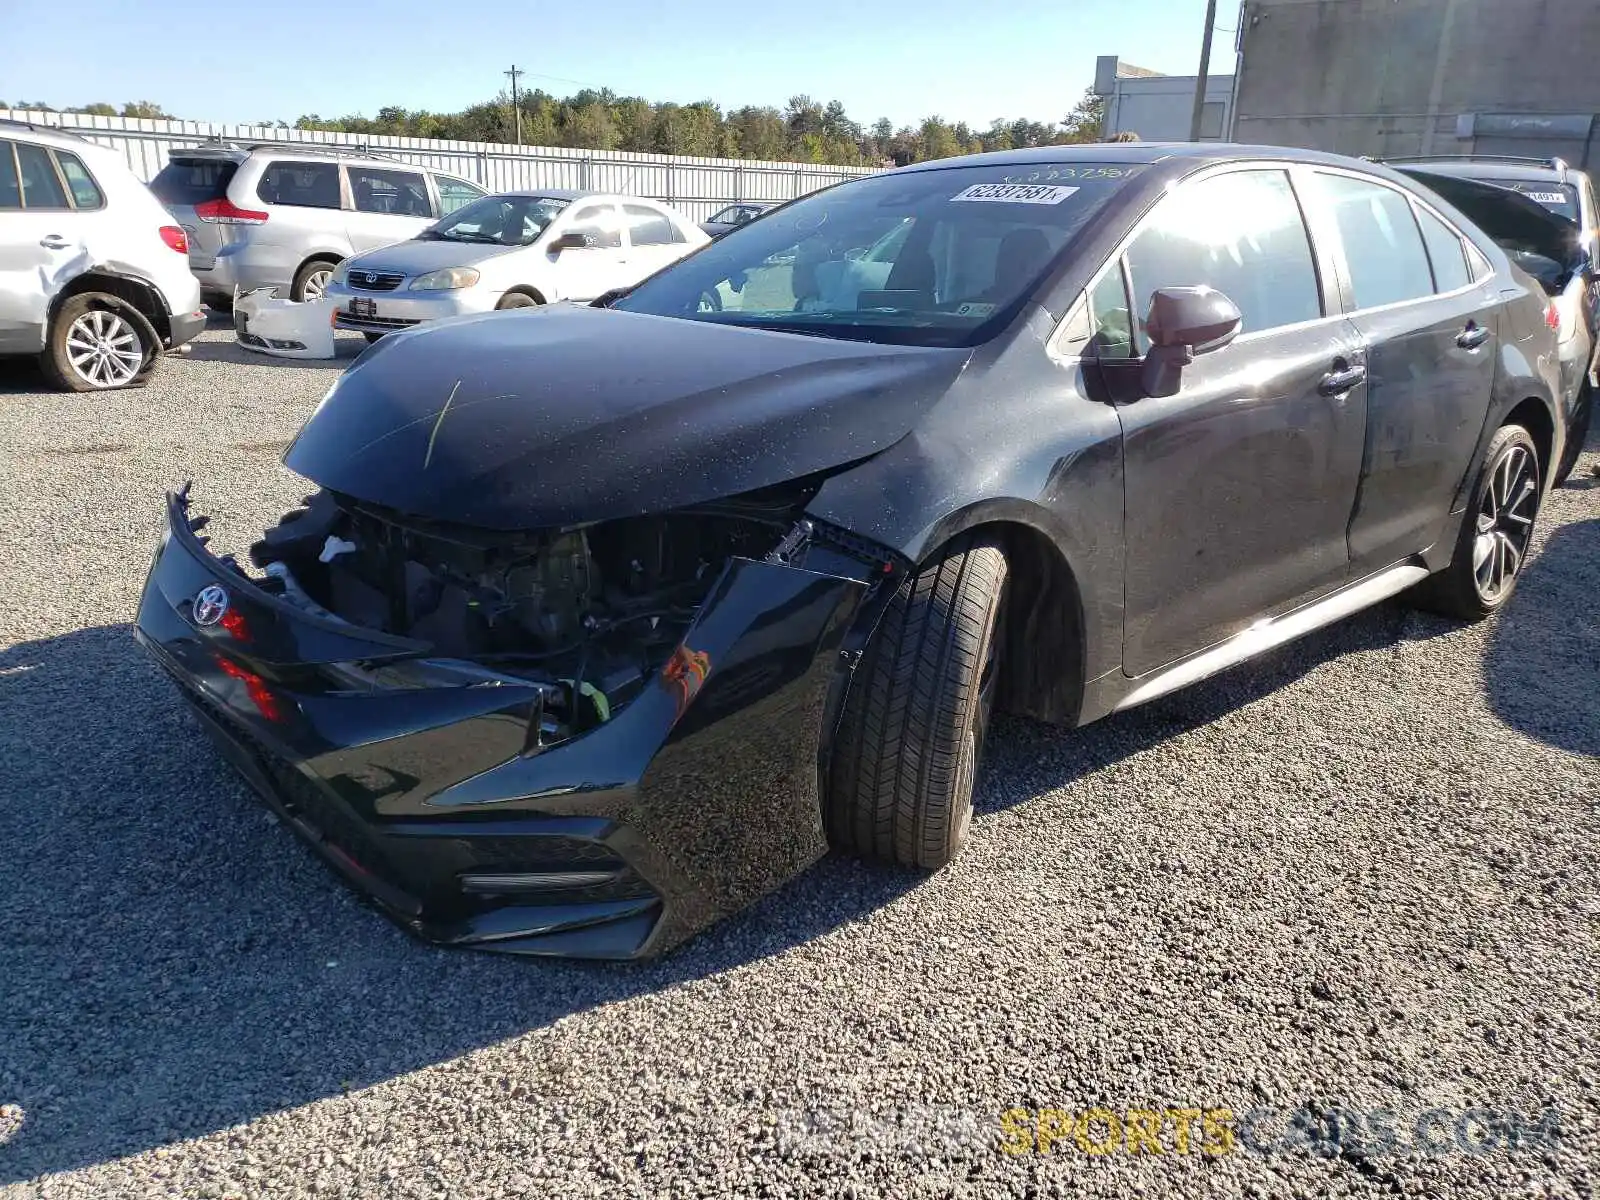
(697,798)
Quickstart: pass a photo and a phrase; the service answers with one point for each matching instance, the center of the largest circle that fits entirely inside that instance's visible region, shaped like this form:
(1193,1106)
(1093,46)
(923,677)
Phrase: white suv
(283,216)
(94,275)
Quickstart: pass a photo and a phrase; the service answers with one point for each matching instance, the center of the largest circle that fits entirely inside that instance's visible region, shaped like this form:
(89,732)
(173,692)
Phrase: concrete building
(1401,77)
(1157,107)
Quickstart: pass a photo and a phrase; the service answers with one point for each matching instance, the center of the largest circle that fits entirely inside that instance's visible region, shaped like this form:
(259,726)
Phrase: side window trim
(16,171)
(48,152)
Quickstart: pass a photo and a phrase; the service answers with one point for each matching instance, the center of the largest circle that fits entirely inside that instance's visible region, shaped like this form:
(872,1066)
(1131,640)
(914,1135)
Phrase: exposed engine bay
(593,611)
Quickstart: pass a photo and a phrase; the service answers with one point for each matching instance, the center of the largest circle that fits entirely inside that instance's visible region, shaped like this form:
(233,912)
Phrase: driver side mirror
(1183,322)
(571,240)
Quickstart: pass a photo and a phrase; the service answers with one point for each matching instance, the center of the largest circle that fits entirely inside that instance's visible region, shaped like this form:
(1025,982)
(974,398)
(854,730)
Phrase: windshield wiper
(434,235)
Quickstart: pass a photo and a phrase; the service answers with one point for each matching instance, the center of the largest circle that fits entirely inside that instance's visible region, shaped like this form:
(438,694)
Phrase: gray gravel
(1362,872)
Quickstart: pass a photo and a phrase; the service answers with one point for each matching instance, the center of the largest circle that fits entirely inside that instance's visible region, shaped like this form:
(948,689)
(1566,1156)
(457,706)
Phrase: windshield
(1559,198)
(498,221)
(939,258)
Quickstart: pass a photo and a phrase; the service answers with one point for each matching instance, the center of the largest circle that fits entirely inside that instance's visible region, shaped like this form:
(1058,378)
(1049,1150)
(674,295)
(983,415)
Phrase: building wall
(696,186)
(1159,108)
(1401,77)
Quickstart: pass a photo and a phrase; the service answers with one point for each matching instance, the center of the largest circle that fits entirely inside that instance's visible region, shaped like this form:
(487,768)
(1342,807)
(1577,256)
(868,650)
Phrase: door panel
(1430,361)
(1240,486)
(1239,489)
(1427,396)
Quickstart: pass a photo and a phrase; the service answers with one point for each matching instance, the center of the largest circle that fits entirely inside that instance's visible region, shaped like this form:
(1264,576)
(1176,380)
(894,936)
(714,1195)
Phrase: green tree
(1087,121)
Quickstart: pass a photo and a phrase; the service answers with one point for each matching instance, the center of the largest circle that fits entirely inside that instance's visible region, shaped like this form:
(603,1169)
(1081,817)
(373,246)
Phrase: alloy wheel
(104,349)
(317,283)
(1505,523)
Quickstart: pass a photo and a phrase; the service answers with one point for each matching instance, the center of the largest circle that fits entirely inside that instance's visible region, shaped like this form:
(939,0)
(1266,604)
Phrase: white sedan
(510,250)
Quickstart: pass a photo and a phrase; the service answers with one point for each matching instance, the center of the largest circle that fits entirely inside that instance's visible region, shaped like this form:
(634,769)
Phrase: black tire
(373,337)
(912,732)
(516,300)
(131,335)
(317,268)
(1500,515)
(1576,436)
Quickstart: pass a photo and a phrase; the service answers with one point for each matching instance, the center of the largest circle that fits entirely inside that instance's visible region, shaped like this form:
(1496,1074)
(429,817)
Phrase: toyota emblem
(210,604)
(369,277)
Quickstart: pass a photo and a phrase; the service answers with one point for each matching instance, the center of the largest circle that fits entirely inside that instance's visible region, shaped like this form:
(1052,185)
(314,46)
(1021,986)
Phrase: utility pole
(1205,73)
(516,106)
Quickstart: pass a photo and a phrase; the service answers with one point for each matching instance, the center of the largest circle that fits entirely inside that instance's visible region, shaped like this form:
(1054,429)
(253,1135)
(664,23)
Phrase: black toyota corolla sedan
(600,622)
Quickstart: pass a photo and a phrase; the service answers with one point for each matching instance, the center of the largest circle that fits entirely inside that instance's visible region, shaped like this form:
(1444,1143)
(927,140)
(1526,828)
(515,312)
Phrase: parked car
(283,216)
(607,619)
(513,250)
(725,220)
(1543,215)
(93,275)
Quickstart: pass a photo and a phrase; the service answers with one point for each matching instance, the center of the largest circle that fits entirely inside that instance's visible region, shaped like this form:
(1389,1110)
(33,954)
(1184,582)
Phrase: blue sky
(904,59)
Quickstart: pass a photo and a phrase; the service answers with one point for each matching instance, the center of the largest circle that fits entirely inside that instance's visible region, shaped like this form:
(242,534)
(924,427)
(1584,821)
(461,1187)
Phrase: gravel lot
(1363,872)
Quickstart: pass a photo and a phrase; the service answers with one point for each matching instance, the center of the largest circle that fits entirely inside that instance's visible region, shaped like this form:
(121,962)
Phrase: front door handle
(1473,336)
(1341,379)
(53,241)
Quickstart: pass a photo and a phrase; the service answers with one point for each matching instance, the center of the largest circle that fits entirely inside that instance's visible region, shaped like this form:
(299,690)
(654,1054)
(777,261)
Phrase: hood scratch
(449,400)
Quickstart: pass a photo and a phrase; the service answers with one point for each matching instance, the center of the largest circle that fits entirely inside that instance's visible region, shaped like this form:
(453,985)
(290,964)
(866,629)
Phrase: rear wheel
(99,342)
(912,733)
(516,300)
(1496,533)
(311,280)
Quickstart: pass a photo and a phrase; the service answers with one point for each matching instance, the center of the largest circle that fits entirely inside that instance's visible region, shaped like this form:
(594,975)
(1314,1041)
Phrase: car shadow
(1039,758)
(1542,674)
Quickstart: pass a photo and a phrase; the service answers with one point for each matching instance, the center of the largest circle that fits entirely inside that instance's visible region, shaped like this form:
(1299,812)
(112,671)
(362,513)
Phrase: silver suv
(94,277)
(284,216)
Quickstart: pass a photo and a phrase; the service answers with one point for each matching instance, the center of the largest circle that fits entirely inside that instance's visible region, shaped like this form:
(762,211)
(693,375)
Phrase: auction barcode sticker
(1015,193)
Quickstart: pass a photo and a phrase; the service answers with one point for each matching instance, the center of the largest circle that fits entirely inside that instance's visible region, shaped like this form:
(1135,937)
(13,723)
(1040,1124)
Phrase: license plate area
(360,306)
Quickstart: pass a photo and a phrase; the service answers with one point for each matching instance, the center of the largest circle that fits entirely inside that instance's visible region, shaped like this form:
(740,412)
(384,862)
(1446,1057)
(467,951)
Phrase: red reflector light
(223,211)
(176,238)
(255,687)
(1552,316)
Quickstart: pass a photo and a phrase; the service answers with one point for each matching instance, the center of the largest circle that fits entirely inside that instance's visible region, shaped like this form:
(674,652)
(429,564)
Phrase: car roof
(1136,154)
(550,193)
(45,133)
(1487,168)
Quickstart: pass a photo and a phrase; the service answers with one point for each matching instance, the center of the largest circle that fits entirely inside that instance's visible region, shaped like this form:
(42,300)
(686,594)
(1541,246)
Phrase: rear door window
(1383,248)
(1241,233)
(302,184)
(1445,251)
(394,193)
(192,181)
(41,186)
(649,226)
(85,191)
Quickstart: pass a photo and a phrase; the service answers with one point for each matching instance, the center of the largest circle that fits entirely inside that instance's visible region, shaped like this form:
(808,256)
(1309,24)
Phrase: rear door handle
(1340,381)
(53,241)
(1473,336)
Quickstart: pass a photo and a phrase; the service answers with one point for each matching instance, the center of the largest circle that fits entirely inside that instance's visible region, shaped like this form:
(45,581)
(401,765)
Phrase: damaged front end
(588,740)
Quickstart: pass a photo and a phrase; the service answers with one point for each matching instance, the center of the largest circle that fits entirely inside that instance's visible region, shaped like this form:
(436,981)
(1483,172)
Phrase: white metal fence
(697,186)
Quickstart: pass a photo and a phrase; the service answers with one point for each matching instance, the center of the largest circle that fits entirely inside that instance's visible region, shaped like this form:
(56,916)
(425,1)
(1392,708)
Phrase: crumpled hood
(562,415)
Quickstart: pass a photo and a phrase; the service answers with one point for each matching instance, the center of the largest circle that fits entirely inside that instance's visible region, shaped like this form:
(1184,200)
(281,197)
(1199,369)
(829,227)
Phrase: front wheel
(912,732)
(1496,533)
